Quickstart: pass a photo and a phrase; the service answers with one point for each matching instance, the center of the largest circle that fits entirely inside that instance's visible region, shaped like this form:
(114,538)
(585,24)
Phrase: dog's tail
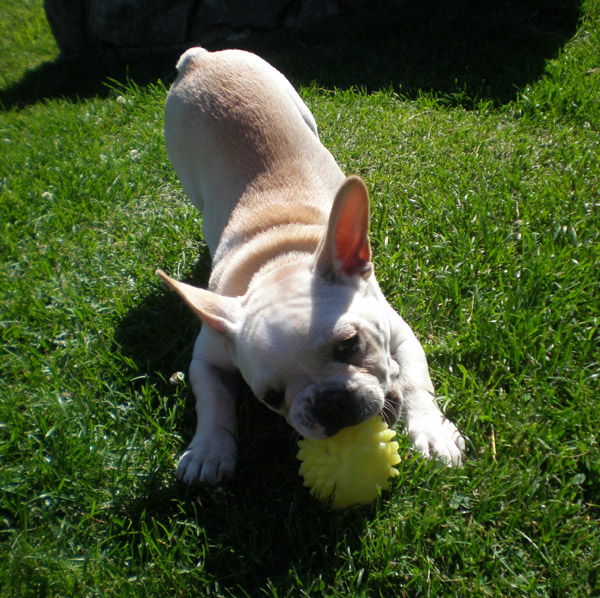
(191,59)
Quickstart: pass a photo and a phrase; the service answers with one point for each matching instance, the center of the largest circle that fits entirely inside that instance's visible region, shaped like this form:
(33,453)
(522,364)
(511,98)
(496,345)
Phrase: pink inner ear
(351,239)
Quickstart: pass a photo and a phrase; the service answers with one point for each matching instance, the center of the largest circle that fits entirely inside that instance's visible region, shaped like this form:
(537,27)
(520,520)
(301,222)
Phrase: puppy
(292,302)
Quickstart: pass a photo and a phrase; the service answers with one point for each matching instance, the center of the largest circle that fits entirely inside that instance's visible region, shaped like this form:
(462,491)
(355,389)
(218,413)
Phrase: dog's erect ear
(345,250)
(219,312)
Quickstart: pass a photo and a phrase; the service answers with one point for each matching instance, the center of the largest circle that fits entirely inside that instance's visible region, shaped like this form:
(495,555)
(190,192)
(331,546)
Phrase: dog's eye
(345,350)
(274,398)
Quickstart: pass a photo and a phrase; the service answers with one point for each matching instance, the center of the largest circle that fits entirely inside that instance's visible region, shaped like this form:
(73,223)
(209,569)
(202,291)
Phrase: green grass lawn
(476,125)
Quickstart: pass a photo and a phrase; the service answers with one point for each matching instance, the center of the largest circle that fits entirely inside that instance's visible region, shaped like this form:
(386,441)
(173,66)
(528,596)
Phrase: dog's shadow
(263,524)
(247,540)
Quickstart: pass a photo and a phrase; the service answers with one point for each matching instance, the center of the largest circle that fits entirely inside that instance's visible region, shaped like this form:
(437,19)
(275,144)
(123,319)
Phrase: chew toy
(351,466)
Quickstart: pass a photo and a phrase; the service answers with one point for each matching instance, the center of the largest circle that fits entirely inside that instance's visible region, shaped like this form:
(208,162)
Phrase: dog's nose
(335,409)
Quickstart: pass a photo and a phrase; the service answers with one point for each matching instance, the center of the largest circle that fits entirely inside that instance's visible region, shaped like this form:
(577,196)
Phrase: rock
(220,19)
(67,22)
(133,25)
(314,11)
(138,23)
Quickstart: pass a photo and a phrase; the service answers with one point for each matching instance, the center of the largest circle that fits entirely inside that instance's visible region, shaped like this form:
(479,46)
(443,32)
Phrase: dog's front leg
(211,456)
(430,431)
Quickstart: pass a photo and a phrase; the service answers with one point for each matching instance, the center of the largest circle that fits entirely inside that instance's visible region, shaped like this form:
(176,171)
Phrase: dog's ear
(345,250)
(218,311)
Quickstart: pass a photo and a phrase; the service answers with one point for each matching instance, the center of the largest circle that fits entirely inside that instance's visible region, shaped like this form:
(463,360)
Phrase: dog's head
(312,338)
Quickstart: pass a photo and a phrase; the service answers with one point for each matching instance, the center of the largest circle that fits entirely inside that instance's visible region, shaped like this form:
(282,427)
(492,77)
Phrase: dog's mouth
(353,411)
(327,410)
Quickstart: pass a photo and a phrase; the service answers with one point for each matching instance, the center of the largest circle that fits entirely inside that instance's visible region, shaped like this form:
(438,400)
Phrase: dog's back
(235,128)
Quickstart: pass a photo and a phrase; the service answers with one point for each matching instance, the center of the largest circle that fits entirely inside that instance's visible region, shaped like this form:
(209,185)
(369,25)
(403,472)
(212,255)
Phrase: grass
(477,129)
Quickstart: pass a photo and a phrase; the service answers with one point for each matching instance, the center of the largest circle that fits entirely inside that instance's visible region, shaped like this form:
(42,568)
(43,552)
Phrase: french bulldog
(292,301)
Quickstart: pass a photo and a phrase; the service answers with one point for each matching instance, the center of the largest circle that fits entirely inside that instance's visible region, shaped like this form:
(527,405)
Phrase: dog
(292,302)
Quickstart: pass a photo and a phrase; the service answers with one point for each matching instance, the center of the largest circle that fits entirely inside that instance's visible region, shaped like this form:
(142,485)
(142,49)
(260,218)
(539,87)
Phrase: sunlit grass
(486,235)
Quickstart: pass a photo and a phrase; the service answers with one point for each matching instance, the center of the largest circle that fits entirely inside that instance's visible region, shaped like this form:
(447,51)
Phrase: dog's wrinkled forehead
(302,315)
(283,313)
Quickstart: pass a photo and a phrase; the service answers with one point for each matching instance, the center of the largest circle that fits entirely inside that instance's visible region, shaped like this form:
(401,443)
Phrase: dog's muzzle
(338,408)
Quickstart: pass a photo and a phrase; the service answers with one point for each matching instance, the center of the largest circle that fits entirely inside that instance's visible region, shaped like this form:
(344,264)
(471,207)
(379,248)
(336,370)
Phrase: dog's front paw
(434,435)
(210,459)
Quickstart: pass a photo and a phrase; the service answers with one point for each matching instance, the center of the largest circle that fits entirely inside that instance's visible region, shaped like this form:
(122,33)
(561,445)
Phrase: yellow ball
(351,466)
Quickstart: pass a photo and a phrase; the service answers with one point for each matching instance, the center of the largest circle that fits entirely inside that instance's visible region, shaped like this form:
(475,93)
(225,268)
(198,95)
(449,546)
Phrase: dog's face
(312,337)
(317,350)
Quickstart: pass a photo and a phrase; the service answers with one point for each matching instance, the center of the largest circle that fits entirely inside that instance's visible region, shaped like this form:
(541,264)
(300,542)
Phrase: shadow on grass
(78,78)
(254,535)
(463,51)
(262,527)
(158,334)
